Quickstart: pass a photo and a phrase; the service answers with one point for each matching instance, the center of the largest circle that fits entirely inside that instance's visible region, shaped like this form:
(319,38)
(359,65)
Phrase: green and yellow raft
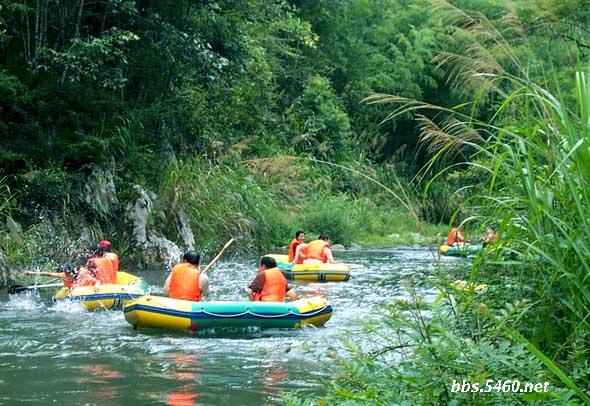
(461,251)
(176,314)
(107,296)
(311,272)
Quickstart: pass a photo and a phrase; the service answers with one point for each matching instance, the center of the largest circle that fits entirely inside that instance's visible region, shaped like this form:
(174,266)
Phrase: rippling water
(59,353)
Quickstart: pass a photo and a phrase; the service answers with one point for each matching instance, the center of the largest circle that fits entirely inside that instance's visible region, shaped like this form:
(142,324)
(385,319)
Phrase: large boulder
(151,248)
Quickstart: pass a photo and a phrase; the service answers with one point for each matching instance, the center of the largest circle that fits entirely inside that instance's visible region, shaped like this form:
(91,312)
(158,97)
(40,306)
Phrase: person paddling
(102,266)
(318,251)
(296,245)
(68,275)
(72,276)
(270,284)
(186,281)
(490,237)
(456,237)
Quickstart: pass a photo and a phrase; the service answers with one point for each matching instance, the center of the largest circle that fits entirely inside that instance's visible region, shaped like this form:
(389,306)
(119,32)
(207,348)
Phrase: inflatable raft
(107,296)
(164,312)
(311,272)
(461,251)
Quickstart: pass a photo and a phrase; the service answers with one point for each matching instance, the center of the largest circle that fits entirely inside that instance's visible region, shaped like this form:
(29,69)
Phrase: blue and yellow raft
(176,314)
(460,251)
(107,296)
(311,272)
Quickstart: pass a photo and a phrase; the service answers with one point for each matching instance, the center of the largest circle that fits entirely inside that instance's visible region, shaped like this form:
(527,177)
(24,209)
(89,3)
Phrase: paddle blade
(12,289)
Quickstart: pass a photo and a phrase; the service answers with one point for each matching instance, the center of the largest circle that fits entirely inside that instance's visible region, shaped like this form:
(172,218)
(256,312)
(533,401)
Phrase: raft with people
(322,272)
(463,250)
(178,314)
(106,296)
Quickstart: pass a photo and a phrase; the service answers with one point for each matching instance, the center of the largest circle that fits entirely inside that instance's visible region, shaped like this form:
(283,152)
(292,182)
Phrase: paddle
(214,260)
(12,289)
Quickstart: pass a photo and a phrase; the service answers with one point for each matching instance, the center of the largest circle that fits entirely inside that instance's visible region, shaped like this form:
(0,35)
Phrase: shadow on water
(60,353)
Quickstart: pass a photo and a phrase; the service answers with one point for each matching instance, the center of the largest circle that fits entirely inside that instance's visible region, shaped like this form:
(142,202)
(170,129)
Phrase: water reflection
(272,378)
(98,379)
(185,368)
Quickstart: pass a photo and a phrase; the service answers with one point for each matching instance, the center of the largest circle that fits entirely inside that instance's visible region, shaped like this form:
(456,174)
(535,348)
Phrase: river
(59,353)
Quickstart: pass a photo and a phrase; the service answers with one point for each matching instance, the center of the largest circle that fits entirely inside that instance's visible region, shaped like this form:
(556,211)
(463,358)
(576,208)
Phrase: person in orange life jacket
(102,266)
(68,276)
(318,251)
(114,258)
(86,276)
(73,276)
(456,237)
(490,237)
(270,285)
(186,281)
(296,245)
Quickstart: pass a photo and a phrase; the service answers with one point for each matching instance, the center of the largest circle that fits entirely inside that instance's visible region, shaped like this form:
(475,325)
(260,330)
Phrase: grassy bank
(531,178)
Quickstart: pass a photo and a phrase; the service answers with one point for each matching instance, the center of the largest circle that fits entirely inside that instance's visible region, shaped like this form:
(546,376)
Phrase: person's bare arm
(328,253)
(291,295)
(299,253)
(204,284)
(166,288)
(60,275)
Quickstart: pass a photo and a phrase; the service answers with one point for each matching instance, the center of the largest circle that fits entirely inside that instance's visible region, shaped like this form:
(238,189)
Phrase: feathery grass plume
(480,60)
(451,136)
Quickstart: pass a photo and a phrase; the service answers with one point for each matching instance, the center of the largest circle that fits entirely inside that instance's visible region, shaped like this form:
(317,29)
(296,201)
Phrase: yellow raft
(311,272)
(176,314)
(107,296)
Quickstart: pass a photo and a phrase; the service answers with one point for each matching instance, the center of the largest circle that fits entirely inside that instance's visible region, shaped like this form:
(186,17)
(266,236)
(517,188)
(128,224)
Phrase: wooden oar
(21,288)
(227,244)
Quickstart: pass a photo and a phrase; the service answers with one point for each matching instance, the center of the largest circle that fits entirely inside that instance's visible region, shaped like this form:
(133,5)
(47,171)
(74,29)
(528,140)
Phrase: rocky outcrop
(99,190)
(138,214)
(4,272)
(184,229)
(152,248)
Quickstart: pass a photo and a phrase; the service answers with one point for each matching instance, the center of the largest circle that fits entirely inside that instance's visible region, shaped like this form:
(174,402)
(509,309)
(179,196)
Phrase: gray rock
(184,229)
(355,246)
(153,249)
(159,250)
(137,214)
(338,247)
(4,273)
(99,190)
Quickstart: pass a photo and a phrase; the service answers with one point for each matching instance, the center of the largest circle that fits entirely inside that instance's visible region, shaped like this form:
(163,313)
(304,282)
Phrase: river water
(59,353)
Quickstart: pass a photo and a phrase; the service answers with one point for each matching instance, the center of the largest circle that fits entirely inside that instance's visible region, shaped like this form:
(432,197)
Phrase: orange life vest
(490,238)
(84,278)
(315,250)
(68,282)
(275,286)
(114,258)
(453,237)
(293,249)
(104,269)
(184,283)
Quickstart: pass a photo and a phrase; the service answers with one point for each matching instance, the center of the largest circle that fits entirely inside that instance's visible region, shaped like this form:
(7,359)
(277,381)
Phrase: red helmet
(104,244)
